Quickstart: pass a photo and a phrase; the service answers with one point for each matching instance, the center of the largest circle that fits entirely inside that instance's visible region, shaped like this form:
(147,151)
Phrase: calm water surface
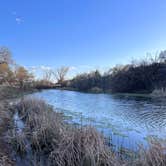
(128,120)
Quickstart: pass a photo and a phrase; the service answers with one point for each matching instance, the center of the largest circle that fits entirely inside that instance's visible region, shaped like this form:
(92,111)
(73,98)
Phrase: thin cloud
(32,69)
(45,68)
(73,68)
(19,20)
(85,66)
(40,68)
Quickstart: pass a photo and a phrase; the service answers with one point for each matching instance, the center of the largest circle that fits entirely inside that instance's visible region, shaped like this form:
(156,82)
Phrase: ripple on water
(133,117)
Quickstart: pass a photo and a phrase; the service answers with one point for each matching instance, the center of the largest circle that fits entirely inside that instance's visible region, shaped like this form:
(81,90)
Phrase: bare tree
(60,74)
(5,55)
(47,76)
(162,56)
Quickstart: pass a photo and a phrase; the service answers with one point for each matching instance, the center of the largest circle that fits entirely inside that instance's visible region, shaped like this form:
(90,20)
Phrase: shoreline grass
(63,144)
(5,125)
(51,141)
(7,96)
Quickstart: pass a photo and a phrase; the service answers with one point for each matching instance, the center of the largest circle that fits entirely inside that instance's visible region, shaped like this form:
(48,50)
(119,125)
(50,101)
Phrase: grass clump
(84,147)
(61,143)
(19,142)
(42,125)
(5,161)
(155,155)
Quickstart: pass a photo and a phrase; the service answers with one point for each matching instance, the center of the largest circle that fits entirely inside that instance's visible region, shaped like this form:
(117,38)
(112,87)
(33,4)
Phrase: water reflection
(128,119)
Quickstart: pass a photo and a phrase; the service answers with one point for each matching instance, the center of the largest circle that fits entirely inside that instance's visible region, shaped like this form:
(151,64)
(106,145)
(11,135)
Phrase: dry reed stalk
(70,146)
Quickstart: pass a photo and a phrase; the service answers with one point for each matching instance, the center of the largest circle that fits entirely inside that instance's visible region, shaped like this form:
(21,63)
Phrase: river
(127,120)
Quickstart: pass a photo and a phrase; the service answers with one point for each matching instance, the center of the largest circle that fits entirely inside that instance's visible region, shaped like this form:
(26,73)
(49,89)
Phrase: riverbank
(157,93)
(100,91)
(7,95)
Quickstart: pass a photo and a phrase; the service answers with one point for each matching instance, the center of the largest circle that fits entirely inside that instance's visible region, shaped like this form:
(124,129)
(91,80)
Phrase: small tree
(22,76)
(60,74)
(162,56)
(47,76)
(5,56)
(6,62)
(6,75)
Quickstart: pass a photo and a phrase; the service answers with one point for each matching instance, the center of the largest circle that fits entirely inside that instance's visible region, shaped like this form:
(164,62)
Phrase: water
(19,124)
(128,120)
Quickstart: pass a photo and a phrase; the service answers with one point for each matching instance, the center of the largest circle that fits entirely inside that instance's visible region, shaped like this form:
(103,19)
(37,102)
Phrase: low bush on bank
(95,90)
(46,134)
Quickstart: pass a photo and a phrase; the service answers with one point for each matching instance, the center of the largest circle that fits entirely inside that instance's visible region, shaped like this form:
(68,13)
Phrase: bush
(95,90)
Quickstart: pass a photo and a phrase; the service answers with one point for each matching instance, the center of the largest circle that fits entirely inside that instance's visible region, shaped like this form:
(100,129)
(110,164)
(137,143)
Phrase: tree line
(143,76)
(138,76)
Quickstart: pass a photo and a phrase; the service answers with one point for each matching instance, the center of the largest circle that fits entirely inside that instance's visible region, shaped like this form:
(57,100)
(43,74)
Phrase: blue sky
(84,34)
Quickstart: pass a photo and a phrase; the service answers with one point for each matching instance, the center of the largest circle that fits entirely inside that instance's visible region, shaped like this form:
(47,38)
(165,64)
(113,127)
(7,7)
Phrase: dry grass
(5,161)
(6,94)
(42,124)
(84,147)
(5,117)
(64,145)
(154,156)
